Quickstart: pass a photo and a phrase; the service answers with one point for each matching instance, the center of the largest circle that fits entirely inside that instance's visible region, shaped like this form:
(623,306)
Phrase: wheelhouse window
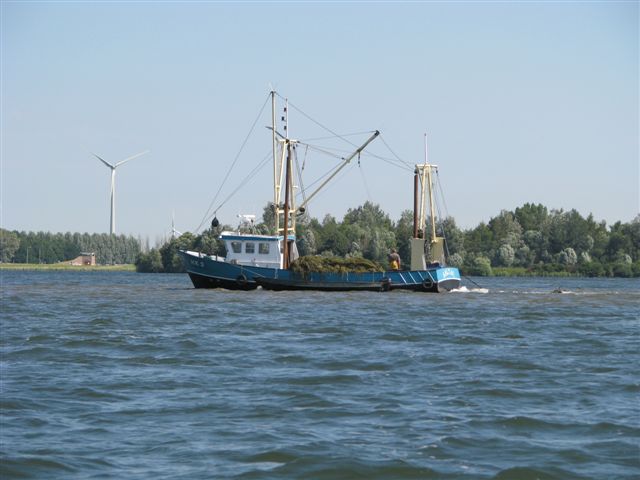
(263,248)
(236,247)
(249,247)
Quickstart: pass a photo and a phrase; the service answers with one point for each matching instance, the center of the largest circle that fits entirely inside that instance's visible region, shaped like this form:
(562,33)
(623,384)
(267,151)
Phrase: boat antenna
(426,151)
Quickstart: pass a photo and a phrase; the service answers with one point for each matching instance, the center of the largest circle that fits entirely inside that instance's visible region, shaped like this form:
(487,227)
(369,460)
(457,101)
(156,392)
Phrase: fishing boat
(255,260)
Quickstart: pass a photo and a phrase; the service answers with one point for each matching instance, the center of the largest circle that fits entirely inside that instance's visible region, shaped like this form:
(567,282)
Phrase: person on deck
(394,260)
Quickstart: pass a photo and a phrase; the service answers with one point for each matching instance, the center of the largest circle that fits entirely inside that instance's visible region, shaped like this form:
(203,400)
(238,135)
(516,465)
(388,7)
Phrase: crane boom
(344,164)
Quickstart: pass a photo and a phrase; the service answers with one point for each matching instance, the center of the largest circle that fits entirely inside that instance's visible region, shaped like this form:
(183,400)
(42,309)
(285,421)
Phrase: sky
(521,102)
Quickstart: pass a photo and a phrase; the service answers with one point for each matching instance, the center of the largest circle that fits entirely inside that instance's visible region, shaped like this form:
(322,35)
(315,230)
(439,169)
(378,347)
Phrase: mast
(435,246)
(287,188)
(276,193)
(415,203)
(279,158)
(431,203)
(430,186)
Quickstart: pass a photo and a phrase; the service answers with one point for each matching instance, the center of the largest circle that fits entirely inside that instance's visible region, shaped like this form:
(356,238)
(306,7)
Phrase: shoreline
(67,267)
(497,272)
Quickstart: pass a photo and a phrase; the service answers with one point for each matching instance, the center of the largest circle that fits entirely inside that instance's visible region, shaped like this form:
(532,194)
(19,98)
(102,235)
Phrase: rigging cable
(442,225)
(304,160)
(235,160)
(299,172)
(322,150)
(398,163)
(249,176)
(446,211)
(318,123)
(329,172)
(444,203)
(406,164)
(364,180)
(340,136)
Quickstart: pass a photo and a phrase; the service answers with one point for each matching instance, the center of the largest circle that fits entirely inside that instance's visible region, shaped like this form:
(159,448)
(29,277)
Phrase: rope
(364,181)
(467,278)
(324,150)
(322,177)
(332,136)
(404,164)
(299,171)
(318,123)
(251,174)
(206,215)
(444,202)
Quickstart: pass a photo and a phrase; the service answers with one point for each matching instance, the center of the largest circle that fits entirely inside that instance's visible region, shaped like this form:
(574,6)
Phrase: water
(123,375)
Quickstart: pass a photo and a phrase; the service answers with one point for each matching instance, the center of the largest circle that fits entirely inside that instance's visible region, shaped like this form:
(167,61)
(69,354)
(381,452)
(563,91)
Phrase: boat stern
(447,279)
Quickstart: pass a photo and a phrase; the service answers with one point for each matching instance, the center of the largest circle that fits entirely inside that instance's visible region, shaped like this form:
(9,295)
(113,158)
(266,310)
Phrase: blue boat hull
(208,272)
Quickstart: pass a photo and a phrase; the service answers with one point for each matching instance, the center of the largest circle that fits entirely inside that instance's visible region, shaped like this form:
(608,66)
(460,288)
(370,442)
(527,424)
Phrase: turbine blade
(103,161)
(131,158)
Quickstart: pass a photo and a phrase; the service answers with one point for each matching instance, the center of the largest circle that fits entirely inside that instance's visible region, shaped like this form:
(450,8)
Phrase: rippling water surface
(123,375)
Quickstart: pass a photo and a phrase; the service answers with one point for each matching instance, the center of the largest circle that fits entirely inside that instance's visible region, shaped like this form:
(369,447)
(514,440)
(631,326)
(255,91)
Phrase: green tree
(532,217)
(331,238)
(480,266)
(371,229)
(9,244)
(209,243)
(306,240)
(171,260)
(369,216)
(568,230)
(506,230)
(568,256)
(150,262)
(505,255)
(403,234)
(479,241)
(269,218)
(453,236)
(623,239)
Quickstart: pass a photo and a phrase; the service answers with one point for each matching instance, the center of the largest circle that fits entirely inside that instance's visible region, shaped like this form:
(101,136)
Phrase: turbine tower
(174,233)
(113,184)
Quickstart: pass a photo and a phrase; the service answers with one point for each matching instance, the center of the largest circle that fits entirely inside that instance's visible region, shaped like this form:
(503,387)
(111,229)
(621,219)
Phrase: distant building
(84,259)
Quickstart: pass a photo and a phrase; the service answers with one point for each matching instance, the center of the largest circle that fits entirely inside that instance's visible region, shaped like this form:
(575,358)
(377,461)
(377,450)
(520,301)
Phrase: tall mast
(423,180)
(287,211)
(274,140)
(436,245)
(430,187)
(290,219)
(416,228)
(431,202)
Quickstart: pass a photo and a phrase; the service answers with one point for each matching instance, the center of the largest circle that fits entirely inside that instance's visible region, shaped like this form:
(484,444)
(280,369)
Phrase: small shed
(85,258)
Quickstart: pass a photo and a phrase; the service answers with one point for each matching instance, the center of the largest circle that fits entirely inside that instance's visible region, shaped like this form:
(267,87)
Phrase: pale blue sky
(522,102)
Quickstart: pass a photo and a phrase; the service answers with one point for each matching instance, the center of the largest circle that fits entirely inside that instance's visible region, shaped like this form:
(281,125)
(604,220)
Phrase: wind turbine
(174,233)
(113,184)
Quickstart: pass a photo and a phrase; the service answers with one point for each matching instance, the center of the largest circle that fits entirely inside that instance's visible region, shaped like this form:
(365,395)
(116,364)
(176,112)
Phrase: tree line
(46,247)
(528,240)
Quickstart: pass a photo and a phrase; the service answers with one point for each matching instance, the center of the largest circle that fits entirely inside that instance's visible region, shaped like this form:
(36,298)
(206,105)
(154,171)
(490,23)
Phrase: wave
(531,473)
(33,467)
(464,289)
(292,464)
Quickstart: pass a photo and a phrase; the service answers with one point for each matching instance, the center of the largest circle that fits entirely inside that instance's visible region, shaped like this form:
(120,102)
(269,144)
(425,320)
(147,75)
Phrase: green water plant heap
(314,263)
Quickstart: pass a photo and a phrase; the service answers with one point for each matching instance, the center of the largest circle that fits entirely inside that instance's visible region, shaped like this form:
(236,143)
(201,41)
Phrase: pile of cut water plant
(314,263)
